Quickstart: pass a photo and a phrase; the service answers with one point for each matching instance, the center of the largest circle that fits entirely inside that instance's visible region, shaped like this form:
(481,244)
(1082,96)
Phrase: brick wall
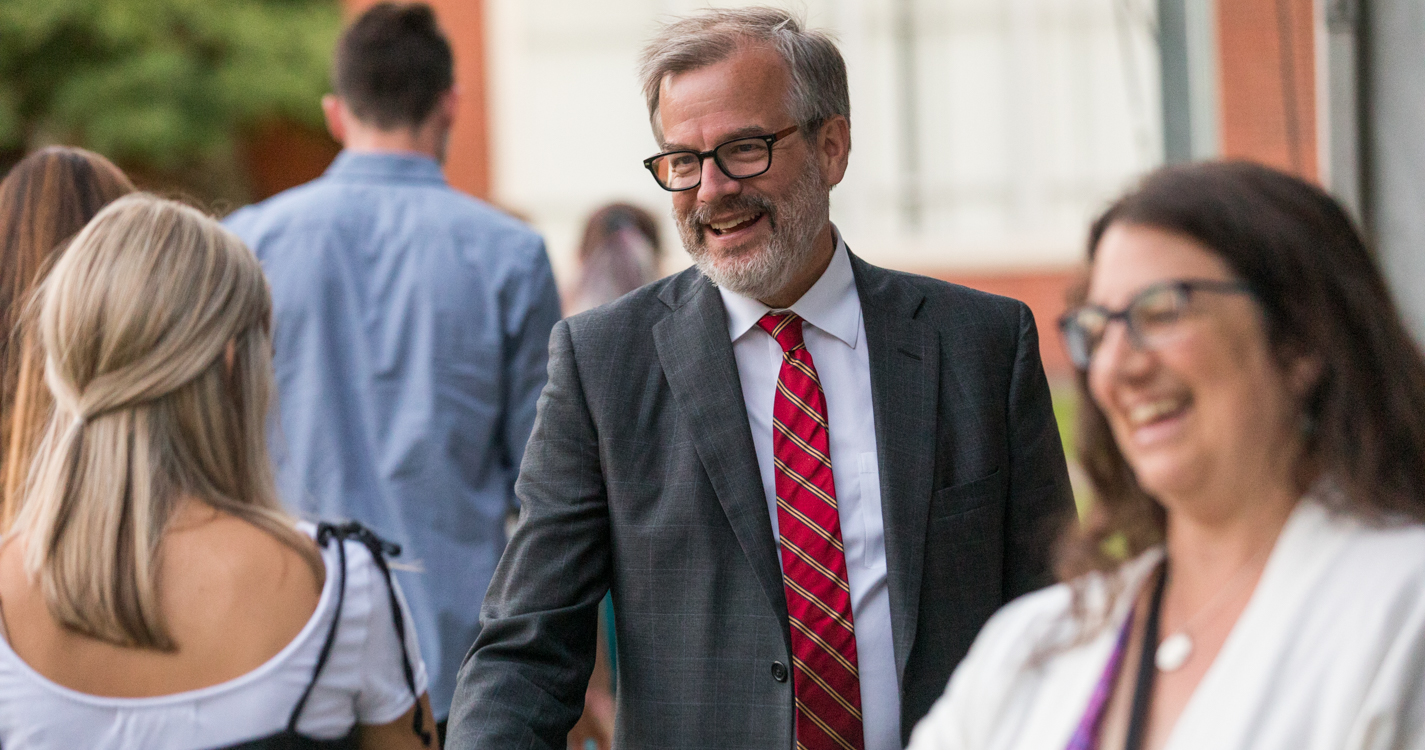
(1267,61)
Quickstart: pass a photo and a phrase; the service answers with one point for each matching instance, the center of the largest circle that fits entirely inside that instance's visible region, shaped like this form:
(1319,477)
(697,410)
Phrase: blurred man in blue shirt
(412,325)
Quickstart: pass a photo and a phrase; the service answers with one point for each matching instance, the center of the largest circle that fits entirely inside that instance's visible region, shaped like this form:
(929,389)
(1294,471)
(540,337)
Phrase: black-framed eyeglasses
(1150,317)
(739,158)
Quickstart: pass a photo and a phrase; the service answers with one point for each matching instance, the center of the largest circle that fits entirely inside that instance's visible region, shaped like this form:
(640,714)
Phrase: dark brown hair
(608,221)
(619,253)
(44,201)
(392,65)
(1322,295)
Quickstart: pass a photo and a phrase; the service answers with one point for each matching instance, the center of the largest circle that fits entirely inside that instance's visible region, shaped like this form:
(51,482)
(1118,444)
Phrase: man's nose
(716,183)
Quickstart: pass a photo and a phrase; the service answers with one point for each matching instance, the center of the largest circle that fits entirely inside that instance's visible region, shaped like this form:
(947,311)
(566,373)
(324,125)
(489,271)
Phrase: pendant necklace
(1176,649)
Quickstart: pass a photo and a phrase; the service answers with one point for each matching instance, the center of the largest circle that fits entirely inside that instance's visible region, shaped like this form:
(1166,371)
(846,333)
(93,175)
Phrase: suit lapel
(696,354)
(905,371)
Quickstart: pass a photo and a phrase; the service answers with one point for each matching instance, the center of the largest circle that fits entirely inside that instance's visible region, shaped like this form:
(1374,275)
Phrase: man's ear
(334,110)
(1303,373)
(833,148)
(449,105)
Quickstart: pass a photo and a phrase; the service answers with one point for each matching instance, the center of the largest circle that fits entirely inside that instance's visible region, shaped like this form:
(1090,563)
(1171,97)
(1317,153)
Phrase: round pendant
(1173,652)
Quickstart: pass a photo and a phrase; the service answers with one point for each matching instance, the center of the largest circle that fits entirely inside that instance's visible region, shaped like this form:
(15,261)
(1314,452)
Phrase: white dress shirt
(835,335)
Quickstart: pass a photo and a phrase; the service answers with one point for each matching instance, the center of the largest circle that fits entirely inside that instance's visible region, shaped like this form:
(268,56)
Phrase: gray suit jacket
(641,478)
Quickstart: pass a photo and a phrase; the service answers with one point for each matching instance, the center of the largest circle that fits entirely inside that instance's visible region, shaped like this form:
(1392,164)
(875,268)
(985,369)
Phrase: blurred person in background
(1253,423)
(153,593)
(411,330)
(44,201)
(806,481)
(619,253)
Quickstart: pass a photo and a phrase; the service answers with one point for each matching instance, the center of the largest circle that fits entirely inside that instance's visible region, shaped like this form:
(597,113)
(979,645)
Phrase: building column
(1393,147)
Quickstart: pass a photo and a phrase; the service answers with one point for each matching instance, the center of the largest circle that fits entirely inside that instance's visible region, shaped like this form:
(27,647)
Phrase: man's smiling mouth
(734,224)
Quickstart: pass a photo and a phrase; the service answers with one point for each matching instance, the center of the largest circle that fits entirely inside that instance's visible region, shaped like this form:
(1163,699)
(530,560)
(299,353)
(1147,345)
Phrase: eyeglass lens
(739,160)
(1150,318)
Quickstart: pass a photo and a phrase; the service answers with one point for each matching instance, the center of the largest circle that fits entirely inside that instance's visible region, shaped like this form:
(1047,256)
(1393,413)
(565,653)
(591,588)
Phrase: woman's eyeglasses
(1150,316)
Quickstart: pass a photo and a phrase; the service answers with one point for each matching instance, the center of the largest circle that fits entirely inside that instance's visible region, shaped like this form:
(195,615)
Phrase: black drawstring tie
(380,550)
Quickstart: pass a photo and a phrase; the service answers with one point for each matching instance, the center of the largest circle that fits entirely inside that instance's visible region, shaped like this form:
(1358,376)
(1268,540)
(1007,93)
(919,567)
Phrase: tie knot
(785,327)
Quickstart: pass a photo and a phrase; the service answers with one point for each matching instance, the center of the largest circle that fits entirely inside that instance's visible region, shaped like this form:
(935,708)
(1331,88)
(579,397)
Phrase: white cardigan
(1328,654)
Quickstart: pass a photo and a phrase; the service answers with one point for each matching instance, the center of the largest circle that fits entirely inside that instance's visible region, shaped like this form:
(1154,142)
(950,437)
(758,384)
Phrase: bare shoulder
(236,550)
(255,588)
(233,596)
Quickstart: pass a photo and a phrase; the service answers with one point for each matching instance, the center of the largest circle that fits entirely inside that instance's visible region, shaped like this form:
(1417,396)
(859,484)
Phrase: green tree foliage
(164,86)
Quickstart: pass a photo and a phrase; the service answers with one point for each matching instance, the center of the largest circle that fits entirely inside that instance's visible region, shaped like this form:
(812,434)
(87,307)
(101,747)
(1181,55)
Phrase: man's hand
(595,730)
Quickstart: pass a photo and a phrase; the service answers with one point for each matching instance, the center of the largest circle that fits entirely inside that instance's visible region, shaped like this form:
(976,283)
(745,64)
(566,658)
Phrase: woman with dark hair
(45,199)
(1252,571)
(618,254)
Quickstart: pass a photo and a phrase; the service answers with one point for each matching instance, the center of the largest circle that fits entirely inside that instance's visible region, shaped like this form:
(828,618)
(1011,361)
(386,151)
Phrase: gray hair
(818,90)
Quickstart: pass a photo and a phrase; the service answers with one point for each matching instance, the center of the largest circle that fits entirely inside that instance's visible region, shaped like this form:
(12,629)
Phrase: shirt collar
(830,304)
(389,166)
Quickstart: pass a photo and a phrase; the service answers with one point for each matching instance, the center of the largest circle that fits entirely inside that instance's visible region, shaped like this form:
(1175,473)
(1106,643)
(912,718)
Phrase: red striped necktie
(827,683)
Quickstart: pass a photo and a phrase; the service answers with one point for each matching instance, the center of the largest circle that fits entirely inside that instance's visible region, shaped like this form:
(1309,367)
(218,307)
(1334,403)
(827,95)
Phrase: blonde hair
(135,320)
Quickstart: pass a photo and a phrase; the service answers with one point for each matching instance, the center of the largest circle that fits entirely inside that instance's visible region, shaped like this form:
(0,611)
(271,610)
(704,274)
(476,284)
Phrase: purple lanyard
(1086,736)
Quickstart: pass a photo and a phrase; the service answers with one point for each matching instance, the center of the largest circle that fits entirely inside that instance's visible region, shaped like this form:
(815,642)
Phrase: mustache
(732,203)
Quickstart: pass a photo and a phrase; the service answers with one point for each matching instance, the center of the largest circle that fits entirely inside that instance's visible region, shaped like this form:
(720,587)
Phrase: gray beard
(762,272)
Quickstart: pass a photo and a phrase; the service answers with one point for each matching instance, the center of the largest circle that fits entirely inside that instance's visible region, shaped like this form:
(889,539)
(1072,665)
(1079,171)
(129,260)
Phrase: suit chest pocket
(967,496)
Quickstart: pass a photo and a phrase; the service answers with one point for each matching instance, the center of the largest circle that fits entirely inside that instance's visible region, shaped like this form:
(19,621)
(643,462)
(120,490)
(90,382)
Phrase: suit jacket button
(779,671)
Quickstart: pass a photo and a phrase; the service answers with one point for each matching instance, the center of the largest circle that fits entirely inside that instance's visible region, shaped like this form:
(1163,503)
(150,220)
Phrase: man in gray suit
(807,481)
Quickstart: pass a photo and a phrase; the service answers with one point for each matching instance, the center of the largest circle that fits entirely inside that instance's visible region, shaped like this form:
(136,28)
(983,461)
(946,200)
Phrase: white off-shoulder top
(362,682)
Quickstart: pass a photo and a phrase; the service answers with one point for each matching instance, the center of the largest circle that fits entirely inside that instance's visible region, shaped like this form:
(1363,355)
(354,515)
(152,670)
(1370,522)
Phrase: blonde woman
(152,592)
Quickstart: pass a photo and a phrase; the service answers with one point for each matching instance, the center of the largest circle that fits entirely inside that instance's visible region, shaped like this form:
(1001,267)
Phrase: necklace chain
(1174,651)
(1217,599)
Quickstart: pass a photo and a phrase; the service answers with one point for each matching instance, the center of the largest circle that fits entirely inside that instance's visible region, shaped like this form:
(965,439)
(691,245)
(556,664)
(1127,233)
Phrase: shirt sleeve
(384,694)
(1392,711)
(527,353)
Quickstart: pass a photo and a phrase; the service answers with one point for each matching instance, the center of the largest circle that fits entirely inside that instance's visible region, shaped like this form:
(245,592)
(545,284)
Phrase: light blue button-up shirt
(411,330)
